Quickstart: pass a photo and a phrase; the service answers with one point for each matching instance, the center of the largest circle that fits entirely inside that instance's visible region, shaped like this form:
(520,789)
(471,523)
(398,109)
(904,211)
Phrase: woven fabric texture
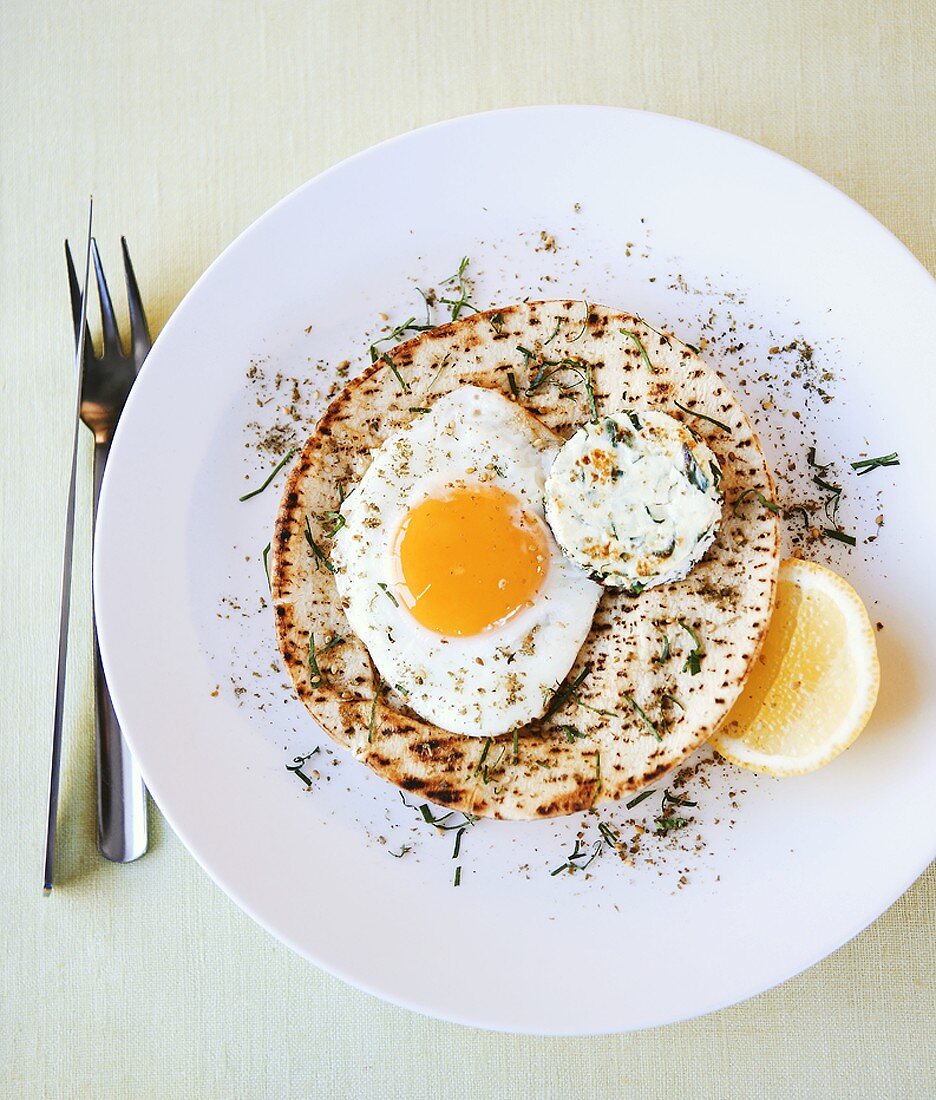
(187,119)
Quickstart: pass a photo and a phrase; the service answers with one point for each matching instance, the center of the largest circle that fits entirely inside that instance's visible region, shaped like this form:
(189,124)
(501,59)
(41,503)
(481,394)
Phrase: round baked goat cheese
(634,498)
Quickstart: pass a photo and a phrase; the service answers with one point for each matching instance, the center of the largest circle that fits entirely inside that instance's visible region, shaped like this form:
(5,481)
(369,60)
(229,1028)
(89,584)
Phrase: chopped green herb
(568,692)
(811,459)
(598,783)
(266,564)
(571,733)
(641,798)
(516,745)
(573,861)
(439,822)
(315,675)
(497,322)
(458,839)
(512,382)
(402,852)
(694,470)
(611,836)
(317,554)
(798,509)
(564,692)
(428,302)
(373,711)
(840,536)
(866,465)
(694,660)
(487,769)
(643,351)
(296,766)
(667,698)
(404,385)
(675,800)
(386,591)
(664,337)
(276,469)
(484,751)
(664,654)
(337,520)
(584,323)
(400,330)
(402,690)
(549,368)
(464,290)
(303,759)
(418,409)
(716,472)
(742,497)
(555,333)
(596,851)
(409,325)
(826,485)
(668,824)
(457,879)
(703,416)
(831,503)
(438,373)
(652,726)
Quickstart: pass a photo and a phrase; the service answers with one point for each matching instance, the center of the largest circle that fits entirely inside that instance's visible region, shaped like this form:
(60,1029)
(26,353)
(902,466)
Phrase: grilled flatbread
(657,672)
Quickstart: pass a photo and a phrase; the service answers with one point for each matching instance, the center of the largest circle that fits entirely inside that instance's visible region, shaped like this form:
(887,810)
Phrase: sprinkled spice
(791,367)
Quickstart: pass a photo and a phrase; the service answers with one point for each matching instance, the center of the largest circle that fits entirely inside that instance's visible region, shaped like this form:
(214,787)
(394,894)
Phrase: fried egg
(449,573)
(635,498)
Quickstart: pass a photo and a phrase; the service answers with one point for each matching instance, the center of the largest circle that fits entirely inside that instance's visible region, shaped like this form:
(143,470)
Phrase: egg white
(487,683)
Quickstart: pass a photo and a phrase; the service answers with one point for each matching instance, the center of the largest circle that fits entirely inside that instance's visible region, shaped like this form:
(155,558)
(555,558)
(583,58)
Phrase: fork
(121,796)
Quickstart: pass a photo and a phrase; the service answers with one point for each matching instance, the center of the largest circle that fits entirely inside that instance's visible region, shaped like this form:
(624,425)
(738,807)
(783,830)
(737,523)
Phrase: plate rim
(178,316)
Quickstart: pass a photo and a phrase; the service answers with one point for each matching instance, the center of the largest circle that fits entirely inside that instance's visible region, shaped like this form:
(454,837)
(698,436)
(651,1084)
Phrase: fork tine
(108,320)
(74,291)
(139,329)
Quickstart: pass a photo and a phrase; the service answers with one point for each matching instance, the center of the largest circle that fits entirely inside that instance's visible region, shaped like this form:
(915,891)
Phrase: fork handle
(121,796)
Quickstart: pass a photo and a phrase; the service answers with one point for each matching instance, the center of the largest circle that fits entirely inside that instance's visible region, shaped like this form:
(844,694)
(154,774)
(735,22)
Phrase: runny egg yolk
(470,559)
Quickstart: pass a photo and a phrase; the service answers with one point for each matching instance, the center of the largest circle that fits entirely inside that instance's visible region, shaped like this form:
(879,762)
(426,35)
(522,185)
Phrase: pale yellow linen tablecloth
(188,119)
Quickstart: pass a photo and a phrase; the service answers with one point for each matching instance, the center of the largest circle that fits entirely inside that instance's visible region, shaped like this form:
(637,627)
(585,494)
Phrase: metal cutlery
(104,386)
(65,601)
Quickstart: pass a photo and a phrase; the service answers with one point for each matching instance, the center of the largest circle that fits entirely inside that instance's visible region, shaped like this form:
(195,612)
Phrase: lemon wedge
(814,684)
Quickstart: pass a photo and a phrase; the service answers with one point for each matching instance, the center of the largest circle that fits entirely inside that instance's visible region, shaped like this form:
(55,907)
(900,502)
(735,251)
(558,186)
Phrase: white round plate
(805,303)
